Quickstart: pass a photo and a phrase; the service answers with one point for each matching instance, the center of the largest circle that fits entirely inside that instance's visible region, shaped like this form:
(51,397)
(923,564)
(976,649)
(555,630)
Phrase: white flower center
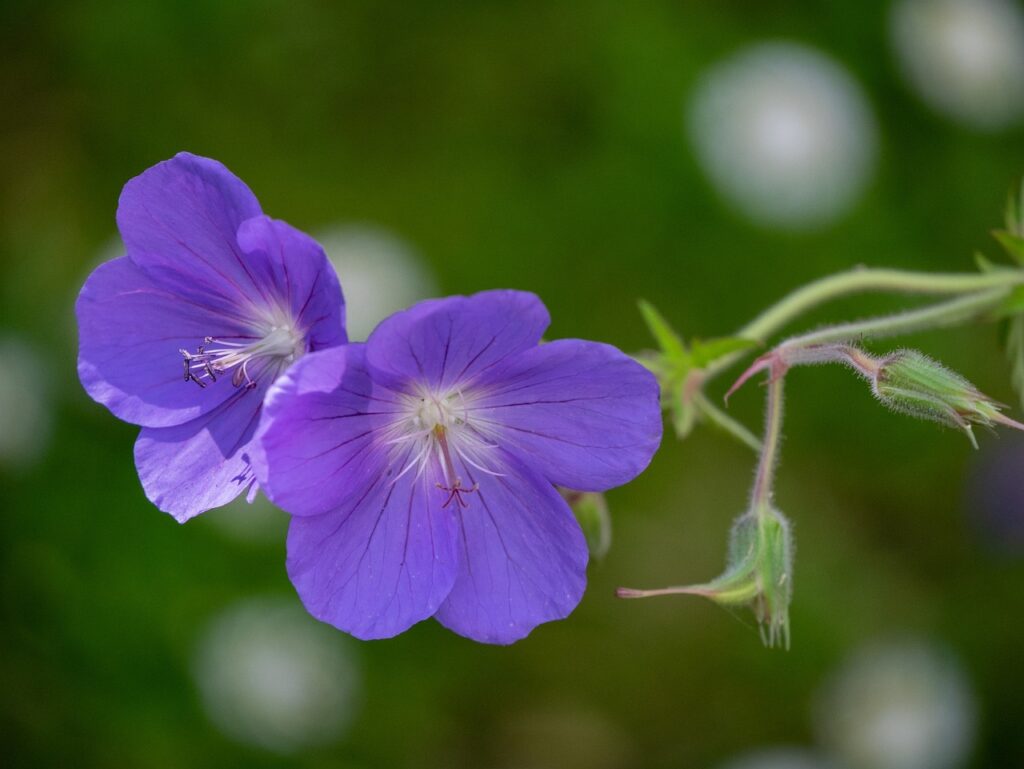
(432,411)
(433,430)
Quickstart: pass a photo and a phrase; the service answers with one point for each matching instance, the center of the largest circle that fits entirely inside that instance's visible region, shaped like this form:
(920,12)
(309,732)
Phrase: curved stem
(939,315)
(858,280)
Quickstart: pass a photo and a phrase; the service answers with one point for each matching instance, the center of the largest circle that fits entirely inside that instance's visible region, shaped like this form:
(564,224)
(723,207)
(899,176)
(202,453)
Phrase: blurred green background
(534,145)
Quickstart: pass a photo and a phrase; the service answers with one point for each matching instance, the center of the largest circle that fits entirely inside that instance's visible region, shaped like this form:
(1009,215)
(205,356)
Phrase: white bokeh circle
(379,272)
(964,57)
(784,133)
(904,705)
(271,676)
(26,419)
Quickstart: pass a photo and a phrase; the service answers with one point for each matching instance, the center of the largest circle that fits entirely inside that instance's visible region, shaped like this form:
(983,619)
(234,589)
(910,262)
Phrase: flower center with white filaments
(439,427)
(247,358)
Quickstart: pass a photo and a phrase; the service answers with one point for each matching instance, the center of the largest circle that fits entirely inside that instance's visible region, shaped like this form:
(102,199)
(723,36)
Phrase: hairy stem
(761,496)
(861,279)
(831,344)
(940,315)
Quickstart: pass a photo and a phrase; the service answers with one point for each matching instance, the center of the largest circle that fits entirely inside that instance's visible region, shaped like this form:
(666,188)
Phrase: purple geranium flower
(184,335)
(420,467)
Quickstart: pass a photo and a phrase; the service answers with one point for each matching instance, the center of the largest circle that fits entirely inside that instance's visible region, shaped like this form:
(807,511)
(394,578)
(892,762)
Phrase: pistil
(454,488)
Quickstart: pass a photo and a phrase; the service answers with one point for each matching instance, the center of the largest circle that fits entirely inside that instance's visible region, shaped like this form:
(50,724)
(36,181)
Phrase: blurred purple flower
(184,335)
(420,466)
(994,494)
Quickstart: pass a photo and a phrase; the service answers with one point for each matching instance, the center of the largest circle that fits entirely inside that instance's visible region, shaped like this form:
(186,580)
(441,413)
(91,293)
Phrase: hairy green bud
(910,382)
(758,574)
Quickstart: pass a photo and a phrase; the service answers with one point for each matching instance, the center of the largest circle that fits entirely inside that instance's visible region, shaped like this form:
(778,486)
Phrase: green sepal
(758,572)
(671,365)
(1011,237)
(984,263)
(668,340)
(704,353)
(1012,243)
(591,511)
(684,412)
(679,372)
(1013,304)
(909,382)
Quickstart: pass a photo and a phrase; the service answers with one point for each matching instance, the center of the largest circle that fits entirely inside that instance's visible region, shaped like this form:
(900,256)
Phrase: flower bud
(758,573)
(591,511)
(910,382)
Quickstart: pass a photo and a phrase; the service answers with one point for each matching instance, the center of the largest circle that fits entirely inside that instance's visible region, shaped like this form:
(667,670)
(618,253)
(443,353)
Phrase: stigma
(245,359)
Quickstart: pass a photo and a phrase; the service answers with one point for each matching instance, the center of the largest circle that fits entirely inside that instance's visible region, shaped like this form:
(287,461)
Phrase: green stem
(761,496)
(857,280)
(832,343)
(943,314)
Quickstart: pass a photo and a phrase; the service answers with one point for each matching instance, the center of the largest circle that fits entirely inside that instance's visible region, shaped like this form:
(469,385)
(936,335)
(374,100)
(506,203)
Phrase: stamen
(447,465)
(279,346)
(481,468)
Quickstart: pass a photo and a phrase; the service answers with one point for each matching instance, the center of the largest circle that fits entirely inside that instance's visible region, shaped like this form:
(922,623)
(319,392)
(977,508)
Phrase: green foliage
(1012,243)
(1012,305)
(670,343)
(1011,238)
(984,263)
(680,370)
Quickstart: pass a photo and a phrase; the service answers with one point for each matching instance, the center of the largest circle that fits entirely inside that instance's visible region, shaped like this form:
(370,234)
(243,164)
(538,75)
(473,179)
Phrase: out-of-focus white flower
(964,57)
(379,272)
(25,411)
(898,706)
(273,677)
(778,758)
(784,133)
